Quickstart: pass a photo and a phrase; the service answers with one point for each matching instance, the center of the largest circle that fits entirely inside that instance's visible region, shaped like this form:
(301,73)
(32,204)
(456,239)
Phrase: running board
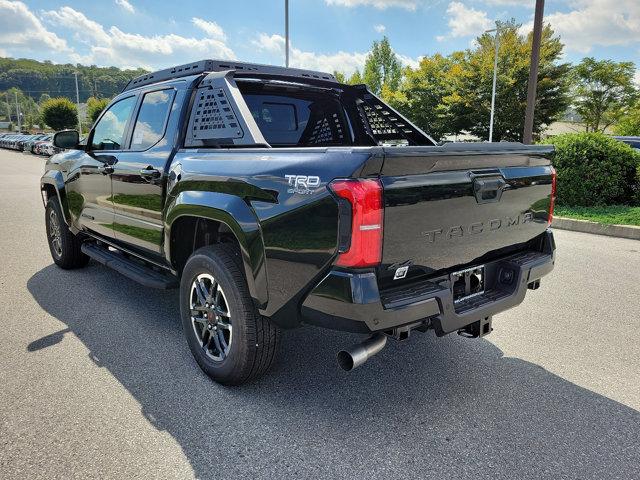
(136,271)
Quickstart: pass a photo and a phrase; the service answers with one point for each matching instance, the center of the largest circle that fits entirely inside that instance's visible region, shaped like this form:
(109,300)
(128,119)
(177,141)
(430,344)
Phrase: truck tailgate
(451,206)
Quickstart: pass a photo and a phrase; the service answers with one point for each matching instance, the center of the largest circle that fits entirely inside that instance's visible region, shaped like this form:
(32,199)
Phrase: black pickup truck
(274,197)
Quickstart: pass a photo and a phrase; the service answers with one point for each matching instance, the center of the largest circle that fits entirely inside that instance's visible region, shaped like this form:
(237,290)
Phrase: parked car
(48,149)
(5,139)
(633,142)
(19,145)
(27,145)
(14,142)
(36,148)
(274,197)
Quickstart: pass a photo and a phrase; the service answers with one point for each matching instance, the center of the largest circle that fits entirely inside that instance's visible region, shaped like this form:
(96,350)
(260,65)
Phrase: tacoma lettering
(476,228)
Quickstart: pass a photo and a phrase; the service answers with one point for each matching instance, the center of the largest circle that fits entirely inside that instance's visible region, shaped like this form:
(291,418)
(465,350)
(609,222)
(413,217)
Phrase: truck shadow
(445,407)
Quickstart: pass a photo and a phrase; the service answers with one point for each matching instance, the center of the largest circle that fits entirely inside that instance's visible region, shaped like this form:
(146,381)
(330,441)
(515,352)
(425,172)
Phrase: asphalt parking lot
(96,379)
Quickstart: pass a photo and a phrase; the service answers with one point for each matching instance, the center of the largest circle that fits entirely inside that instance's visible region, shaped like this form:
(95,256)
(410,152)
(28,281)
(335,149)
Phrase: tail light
(365,199)
(552,201)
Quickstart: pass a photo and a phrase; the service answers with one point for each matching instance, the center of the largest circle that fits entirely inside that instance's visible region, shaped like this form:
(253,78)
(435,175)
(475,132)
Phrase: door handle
(150,173)
(105,169)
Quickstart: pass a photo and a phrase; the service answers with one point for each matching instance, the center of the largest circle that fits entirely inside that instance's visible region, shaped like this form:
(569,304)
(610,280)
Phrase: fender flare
(239,217)
(55,179)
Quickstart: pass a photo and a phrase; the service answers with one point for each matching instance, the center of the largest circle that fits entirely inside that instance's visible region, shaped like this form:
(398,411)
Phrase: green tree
(450,95)
(355,78)
(382,67)
(629,123)
(58,79)
(5,106)
(604,91)
(429,95)
(95,106)
(511,92)
(340,77)
(60,113)
(27,107)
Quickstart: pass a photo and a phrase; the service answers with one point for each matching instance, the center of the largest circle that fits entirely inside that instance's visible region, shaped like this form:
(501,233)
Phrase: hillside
(35,78)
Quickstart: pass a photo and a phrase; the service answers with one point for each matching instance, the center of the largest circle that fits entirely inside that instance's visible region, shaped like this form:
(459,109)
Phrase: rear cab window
(152,118)
(297,119)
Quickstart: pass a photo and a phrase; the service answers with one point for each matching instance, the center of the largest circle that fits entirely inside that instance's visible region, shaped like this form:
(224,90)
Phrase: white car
(48,149)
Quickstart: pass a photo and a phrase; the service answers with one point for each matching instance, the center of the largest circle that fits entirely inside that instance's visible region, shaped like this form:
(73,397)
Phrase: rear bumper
(352,301)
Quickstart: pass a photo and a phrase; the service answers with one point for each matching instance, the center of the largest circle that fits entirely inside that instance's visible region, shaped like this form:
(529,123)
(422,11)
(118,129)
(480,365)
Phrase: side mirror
(66,139)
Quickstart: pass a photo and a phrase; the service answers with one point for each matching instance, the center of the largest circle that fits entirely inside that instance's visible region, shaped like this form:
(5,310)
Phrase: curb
(585,226)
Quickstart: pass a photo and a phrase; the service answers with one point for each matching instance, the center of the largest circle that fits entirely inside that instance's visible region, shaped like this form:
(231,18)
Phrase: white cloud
(596,23)
(210,28)
(85,30)
(342,61)
(345,62)
(122,49)
(512,3)
(21,31)
(408,61)
(380,28)
(465,21)
(128,49)
(379,4)
(126,6)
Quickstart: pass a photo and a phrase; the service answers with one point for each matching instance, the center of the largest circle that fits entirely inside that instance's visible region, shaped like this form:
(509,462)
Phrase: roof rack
(202,66)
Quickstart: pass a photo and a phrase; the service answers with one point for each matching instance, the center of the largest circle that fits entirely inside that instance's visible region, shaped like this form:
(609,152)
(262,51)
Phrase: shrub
(594,169)
(59,113)
(95,106)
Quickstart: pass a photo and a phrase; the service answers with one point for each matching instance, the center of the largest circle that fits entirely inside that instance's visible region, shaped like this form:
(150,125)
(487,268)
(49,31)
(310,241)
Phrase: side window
(149,128)
(110,130)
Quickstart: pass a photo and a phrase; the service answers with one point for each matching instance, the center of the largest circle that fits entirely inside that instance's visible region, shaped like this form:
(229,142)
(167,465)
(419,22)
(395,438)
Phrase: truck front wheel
(64,245)
(228,337)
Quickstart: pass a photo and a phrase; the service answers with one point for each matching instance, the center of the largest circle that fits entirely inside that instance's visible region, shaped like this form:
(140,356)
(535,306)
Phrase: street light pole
(286,33)
(527,136)
(495,78)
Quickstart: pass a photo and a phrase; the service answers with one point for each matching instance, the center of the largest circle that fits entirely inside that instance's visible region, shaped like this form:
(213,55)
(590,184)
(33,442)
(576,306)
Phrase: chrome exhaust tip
(356,355)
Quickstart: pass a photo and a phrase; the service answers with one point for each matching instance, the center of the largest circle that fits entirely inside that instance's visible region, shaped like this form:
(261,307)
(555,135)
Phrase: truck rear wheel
(64,245)
(228,337)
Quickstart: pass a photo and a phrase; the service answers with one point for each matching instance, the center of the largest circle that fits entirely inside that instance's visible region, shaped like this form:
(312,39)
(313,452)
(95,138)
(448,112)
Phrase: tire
(238,347)
(63,245)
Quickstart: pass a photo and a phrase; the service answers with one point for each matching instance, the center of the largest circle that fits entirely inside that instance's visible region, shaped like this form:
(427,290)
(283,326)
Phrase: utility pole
(286,33)
(6,101)
(527,136)
(18,112)
(75,74)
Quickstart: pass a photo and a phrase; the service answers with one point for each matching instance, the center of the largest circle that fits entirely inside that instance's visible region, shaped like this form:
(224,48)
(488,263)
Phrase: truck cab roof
(241,69)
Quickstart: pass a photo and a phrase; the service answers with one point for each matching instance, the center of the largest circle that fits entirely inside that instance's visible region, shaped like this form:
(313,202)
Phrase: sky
(325,34)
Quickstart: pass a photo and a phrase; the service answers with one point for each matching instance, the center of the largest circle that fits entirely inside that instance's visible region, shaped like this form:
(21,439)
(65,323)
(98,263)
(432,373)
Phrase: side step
(142,274)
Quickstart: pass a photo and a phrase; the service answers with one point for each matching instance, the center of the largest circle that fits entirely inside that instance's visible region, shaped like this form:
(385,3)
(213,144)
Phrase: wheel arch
(52,183)
(195,218)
